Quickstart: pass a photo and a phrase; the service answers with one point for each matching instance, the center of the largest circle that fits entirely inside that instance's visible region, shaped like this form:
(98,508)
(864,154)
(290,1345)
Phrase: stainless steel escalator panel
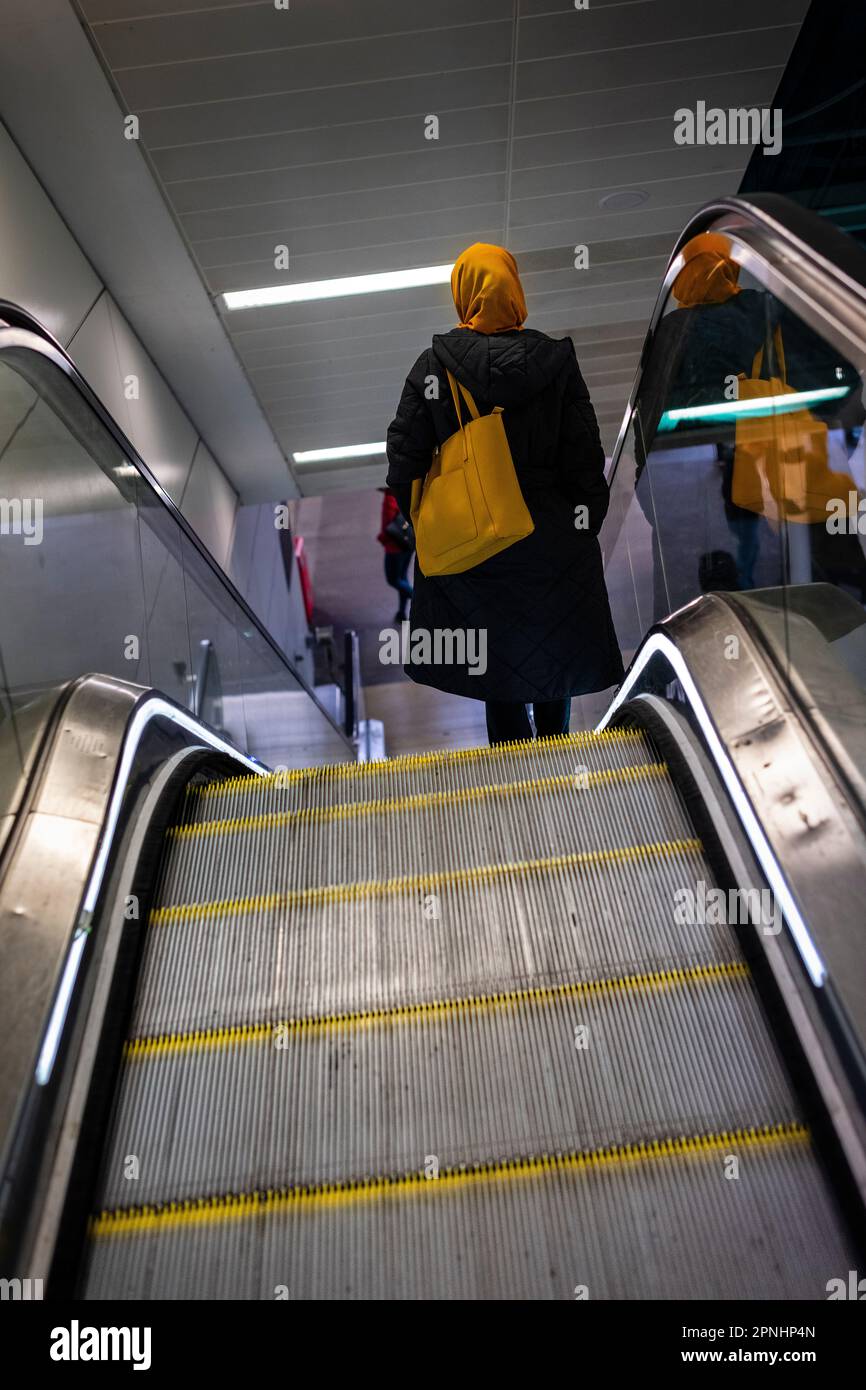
(108,748)
(803,828)
(46,869)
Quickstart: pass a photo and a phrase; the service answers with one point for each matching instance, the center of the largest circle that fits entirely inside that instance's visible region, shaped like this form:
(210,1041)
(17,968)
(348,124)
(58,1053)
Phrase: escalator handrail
(817,247)
(36,338)
(743,717)
(111,749)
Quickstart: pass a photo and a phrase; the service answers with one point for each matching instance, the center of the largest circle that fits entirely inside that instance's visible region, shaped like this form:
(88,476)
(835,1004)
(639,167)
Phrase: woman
(540,606)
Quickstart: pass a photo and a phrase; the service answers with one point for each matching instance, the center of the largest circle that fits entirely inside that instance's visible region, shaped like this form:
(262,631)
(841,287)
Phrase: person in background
(398,552)
(541,604)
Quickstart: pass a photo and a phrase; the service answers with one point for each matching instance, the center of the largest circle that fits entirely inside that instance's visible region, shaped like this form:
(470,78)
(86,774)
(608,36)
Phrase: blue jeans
(396,567)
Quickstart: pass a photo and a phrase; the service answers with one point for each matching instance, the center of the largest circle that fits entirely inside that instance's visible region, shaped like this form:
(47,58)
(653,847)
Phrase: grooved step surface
(372,998)
(430,832)
(379,1096)
(343,783)
(672,1227)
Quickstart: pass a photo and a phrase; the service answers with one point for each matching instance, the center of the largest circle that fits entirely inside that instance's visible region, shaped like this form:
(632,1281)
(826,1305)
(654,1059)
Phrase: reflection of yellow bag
(469,506)
(780,459)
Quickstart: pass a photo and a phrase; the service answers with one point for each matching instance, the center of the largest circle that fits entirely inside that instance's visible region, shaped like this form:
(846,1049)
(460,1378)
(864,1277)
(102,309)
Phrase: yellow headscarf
(487,291)
(709,276)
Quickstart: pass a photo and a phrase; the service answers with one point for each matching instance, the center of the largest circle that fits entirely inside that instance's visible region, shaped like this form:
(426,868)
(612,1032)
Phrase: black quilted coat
(542,601)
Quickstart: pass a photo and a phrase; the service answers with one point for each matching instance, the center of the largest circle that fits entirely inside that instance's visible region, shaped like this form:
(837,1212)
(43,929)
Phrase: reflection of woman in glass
(697,349)
(775,462)
(712,335)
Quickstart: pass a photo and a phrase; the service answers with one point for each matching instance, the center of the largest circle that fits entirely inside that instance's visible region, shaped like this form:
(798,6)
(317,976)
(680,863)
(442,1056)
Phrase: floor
(417,718)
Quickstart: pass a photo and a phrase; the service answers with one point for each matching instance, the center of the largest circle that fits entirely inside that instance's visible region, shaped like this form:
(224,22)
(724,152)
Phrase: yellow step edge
(199,1211)
(388,767)
(413,883)
(164,1044)
(420,801)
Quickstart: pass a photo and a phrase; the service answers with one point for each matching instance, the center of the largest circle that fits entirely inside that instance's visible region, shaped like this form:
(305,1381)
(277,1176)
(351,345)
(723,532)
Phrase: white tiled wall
(258,569)
(209,503)
(158,427)
(41,266)
(43,269)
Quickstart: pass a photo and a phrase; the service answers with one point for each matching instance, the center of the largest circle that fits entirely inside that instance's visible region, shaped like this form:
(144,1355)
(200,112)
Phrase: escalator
(577,1018)
(391,1104)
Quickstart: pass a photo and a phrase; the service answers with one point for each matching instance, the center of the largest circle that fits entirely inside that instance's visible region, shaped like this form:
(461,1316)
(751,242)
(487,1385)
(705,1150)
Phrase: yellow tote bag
(781,457)
(469,505)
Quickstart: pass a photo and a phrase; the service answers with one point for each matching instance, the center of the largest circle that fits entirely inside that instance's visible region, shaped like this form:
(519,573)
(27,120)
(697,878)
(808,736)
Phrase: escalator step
(436,1027)
(660,1222)
(450,769)
(437,830)
(389,942)
(573,1068)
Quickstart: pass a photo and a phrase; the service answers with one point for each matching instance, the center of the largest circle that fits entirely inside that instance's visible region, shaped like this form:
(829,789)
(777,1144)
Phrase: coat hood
(504,369)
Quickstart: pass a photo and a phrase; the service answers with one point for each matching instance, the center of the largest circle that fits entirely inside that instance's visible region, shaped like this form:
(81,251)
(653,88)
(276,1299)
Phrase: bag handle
(473,408)
(758,363)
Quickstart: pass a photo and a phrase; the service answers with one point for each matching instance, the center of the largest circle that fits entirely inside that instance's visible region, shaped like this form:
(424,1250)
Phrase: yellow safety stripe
(330,772)
(238,1206)
(146,1048)
(413,883)
(420,801)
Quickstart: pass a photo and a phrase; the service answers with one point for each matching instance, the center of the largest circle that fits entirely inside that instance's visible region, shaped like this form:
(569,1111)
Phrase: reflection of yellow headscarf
(487,291)
(709,276)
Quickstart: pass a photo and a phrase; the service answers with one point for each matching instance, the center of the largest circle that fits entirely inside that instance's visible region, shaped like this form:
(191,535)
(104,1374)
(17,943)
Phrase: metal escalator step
(465,967)
(377,944)
(573,1068)
(617,1223)
(402,885)
(439,830)
(200,1039)
(336,783)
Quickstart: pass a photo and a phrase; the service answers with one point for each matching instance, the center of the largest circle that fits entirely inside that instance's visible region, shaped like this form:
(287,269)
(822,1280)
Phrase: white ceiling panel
(648,99)
(306,128)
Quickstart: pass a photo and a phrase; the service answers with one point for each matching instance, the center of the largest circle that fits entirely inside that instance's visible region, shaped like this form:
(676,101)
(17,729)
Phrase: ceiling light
(757,405)
(343,451)
(334,289)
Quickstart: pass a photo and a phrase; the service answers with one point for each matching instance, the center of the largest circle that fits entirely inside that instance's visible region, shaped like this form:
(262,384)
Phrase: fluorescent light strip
(334,289)
(658,642)
(759,406)
(343,451)
(151,709)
